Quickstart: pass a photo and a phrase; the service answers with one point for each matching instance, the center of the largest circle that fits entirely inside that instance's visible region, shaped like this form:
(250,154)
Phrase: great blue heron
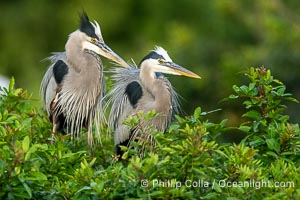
(73,86)
(144,89)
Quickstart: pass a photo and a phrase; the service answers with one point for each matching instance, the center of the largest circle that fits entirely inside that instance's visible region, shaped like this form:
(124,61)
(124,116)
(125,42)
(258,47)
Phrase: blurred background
(217,39)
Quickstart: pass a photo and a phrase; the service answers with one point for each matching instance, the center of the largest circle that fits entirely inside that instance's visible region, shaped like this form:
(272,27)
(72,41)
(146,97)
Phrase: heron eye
(160,61)
(93,40)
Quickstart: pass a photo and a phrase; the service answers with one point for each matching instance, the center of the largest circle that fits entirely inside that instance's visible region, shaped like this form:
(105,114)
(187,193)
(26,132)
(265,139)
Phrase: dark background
(217,39)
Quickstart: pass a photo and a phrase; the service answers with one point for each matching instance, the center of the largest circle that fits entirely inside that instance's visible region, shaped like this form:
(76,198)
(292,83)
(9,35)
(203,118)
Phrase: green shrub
(185,163)
(268,128)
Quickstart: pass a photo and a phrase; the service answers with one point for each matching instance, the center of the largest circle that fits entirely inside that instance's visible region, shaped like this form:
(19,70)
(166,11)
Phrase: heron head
(158,61)
(92,40)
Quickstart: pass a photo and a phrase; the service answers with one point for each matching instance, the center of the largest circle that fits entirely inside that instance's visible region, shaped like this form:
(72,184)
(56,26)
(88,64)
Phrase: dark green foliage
(185,163)
(268,128)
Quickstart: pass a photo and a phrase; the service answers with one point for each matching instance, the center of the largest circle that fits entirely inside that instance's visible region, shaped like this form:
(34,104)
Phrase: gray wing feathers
(175,103)
(48,85)
(120,105)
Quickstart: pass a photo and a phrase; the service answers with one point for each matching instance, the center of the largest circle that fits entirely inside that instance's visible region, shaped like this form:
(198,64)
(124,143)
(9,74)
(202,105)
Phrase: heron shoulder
(134,92)
(60,69)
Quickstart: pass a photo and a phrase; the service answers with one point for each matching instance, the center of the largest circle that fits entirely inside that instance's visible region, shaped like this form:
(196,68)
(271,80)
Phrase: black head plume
(152,55)
(86,26)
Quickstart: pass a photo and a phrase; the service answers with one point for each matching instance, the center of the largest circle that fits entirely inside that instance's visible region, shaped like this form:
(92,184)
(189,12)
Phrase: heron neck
(77,56)
(158,88)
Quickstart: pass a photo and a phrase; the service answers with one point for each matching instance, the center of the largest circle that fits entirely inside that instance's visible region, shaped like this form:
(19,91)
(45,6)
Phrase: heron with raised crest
(72,88)
(142,90)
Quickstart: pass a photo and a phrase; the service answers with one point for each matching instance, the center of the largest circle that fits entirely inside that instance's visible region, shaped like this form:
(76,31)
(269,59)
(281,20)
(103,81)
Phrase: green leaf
(93,162)
(17,169)
(97,186)
(253,114)
(125,155)
(25,143)
(244,89)
(291,153)
(11,84)
(211,195)
(256,141)
(291,99)
(245,129)
(156,193)
(2,131)
(27,155)
(251,86)
(28,190)
(273,144)
(233,198)
(11,118)
(216,187)
(173,127)
(83,189)
(268,76)
(281,90)
(271,153)
(236,89)
(26,122)
(277,81)
(36,176)
(251,71)
(197,113)
(232,96)
(223,122)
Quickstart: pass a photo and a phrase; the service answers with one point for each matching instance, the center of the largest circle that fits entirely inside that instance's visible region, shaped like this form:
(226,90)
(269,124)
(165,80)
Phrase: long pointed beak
(173,68)
(105,51)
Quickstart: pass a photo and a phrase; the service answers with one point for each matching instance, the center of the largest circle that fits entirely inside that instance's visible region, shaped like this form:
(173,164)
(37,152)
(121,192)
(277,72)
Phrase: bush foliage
(187,162)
